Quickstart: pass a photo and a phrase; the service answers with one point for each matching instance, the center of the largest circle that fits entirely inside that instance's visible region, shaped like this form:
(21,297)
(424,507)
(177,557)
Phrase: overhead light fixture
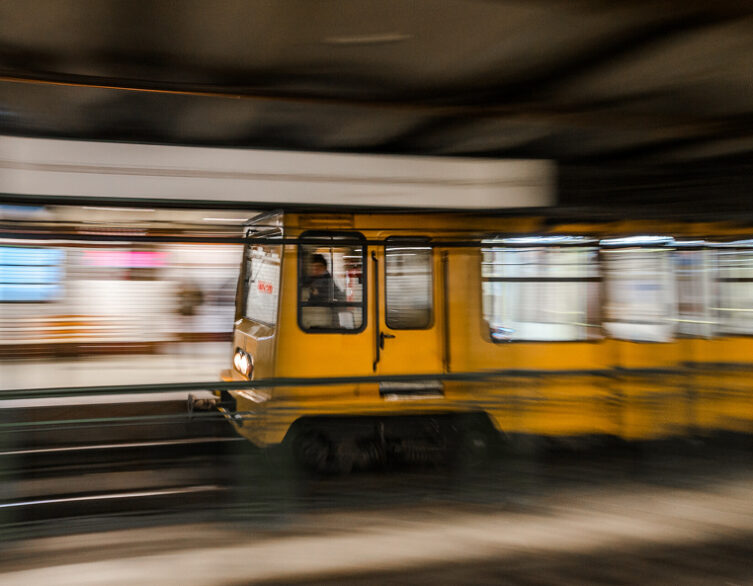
(638,241)
(236,220)
(545,240)
(734,244)
(373,39)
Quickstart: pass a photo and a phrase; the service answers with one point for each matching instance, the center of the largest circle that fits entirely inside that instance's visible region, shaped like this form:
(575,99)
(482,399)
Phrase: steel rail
(127,445)
(110,421)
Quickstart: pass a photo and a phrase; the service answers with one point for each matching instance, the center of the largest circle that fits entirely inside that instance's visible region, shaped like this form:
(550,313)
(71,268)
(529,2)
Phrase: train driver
(321,286)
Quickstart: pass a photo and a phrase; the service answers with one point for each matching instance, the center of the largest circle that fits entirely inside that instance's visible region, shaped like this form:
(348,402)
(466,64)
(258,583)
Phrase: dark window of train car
(408,284)
(541,289)
(262,283)
(331,282)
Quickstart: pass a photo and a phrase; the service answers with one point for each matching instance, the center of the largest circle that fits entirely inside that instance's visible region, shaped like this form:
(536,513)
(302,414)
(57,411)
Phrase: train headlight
(243,362)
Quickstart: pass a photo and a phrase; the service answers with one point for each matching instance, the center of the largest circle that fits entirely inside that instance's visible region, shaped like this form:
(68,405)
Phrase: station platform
(188,362)
(37,425)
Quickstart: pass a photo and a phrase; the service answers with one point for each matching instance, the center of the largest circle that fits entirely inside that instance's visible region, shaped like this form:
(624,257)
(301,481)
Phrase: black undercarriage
(342,444)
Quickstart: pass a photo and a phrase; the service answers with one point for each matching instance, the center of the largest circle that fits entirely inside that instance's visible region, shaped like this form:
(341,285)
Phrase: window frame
(589,241)
(408,241)
(354,237)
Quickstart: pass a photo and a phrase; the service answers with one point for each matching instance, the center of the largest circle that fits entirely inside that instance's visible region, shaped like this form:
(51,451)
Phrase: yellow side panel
(723,384)
(717,393)
(559,406)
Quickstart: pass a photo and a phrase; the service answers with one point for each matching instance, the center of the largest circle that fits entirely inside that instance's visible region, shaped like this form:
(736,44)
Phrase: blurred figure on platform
(190,299)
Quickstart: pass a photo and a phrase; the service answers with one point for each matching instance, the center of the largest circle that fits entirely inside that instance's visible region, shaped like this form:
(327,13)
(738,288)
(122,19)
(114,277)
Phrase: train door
(332,336)
(640,319)
(408,337)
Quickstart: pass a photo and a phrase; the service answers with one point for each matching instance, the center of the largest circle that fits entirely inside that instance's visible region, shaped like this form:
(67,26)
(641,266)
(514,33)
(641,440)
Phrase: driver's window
(331,283)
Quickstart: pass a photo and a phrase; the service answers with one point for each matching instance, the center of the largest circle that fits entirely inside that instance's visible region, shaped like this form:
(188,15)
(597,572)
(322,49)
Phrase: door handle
(383,337)
(378,341)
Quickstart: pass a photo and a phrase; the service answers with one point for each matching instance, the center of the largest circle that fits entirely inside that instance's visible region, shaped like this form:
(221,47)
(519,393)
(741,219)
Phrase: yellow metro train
(424,327)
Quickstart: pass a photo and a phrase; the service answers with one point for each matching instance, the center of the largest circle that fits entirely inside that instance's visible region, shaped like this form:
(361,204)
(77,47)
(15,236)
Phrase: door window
(408,284)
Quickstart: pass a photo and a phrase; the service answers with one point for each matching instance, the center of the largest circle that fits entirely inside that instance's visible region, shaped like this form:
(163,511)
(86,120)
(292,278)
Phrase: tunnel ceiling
(587,82)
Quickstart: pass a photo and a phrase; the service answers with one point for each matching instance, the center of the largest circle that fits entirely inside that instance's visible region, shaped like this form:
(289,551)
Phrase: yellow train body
(600,383)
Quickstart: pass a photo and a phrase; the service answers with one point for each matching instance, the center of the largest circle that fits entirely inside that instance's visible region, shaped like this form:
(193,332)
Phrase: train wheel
(312,450)
(317,453)
(474,449)
(473,446)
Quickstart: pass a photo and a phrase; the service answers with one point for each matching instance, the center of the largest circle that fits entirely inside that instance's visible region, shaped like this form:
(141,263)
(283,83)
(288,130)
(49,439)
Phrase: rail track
(105,466)
(65,467)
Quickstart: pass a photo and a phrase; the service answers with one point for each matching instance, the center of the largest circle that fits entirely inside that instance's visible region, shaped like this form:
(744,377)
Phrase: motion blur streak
(124,495)
(139,311)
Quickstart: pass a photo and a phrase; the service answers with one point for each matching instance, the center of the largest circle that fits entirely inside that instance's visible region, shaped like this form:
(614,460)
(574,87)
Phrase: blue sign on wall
(30,275)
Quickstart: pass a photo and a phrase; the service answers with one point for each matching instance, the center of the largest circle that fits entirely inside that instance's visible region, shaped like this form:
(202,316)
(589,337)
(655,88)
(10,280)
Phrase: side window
(541,288)
(262,282)
(331,282)
(408,284)
(734,307)
(693,276)
(640,290)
